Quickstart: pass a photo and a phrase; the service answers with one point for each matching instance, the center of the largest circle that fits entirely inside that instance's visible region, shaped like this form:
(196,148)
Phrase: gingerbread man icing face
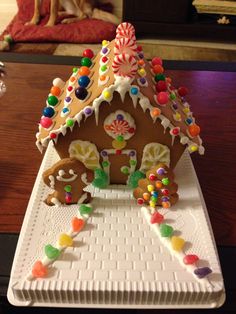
(68,177)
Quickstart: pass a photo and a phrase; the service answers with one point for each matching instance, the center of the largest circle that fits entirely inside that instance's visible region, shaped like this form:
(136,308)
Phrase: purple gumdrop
(142,80)
(132,153)
(202,272)
(88,111)
(161,171)
(68,99)
(103,153)
(165,199)
(119,117)
(104,50)
(175,106)
(141,55)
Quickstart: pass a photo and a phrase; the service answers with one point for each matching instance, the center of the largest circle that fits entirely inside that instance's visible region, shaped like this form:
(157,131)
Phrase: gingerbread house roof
(120,66)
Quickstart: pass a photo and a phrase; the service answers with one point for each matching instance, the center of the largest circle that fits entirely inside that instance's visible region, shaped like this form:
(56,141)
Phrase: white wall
(8,8)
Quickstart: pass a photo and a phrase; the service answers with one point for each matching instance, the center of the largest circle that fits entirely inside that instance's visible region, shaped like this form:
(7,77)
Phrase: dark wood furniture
(213,99)
(175,20)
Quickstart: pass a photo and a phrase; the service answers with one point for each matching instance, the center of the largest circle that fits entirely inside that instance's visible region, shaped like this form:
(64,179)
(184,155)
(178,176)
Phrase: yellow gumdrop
(150,188)
(104,42)
(177,243)
(118,145)
(142,72)
(177,116)
(186,110)
(193,148)
(65,240)
(106,94)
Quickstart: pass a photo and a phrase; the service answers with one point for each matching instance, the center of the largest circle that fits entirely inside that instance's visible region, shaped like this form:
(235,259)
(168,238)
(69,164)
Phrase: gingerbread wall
(146,132)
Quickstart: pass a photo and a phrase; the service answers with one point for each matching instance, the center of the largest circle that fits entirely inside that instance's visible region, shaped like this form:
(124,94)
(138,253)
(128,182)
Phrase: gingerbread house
(119,114)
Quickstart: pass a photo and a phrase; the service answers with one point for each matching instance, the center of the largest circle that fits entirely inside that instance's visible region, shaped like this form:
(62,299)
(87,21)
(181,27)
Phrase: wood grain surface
(212,96)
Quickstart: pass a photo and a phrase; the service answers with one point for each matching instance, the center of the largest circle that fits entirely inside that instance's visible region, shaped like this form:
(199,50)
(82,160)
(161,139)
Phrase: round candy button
(46,122)
(81,93)
(48,112)
(52,100)
(88,53)
(86,62)
(84,81)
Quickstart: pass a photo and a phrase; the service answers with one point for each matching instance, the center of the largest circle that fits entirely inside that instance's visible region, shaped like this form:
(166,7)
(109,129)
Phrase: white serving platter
(117,260)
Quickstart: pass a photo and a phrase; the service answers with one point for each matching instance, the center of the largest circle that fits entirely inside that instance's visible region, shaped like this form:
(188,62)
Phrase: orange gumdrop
(194,130)
(55,91)
(102,77)
(157,69)
(168,80)
(72,79)
(158,184)
(156,112)
(141,62)
(84,71)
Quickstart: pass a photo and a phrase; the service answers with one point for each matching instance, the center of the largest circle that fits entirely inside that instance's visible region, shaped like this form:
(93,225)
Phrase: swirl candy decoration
(125,27)
(125,45)
(124,65)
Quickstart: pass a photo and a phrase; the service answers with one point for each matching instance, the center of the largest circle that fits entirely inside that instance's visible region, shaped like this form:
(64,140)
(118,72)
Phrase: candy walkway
(117,260)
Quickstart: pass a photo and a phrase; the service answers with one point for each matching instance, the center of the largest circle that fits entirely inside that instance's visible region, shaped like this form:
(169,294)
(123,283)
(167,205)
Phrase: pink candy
(162,98)
(46,122)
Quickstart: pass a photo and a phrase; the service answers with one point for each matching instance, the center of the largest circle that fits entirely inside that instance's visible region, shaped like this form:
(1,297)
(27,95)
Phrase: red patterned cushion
(84,31)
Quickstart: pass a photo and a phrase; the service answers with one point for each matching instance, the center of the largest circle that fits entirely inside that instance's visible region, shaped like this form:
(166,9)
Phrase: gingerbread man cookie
(158,188)
(68,177)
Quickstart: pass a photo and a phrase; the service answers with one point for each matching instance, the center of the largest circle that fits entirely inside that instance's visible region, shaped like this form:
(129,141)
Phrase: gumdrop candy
(166,230)
(202,272)
(65,240)
(157,218)
(84,210)
(190,259)
(51,252)
(177,243)
(39,270)
(77,224)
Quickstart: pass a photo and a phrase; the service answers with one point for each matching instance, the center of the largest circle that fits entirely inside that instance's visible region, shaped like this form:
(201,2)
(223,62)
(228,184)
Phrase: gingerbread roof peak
(120,66)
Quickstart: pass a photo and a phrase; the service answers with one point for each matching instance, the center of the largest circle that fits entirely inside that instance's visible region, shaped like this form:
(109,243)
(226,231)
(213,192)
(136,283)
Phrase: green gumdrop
(75,70)
(165,181)
(125,170)
(100,179)
(105,164)
(67,188)
(132,162)
(120,138)
(134,178)
(70,122)
(103,68)
(166,230)
(159,77)
(83,209)
(51,252)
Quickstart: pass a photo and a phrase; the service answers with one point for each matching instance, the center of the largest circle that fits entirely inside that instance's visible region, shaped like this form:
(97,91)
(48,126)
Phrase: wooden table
(212,98)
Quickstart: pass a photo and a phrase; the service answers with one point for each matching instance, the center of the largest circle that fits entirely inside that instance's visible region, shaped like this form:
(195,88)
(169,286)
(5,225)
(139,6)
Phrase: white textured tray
(117,260)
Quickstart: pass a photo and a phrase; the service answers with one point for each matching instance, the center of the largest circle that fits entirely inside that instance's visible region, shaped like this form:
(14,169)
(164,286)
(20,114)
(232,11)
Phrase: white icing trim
(52,181)
(121,85)
(62,172)
(84,178)
(55,201)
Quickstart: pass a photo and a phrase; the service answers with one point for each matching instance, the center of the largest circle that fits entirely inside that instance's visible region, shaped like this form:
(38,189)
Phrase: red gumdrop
(161,86)
(156,218)
(140,201)
(104,59)
(156,60)
(162,98)
(139,48)
(190,259)
(183,91)
(46,122)
(88,53)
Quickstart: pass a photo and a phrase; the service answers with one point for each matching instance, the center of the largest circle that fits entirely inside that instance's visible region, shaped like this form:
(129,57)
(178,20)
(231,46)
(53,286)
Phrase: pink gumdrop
(156,60)
(46,122)
(162,98)
(157,218)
